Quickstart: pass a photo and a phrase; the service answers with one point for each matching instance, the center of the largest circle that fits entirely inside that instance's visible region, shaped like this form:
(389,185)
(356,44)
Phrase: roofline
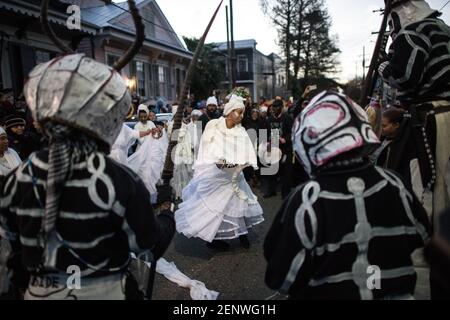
(116,32)
(167,21)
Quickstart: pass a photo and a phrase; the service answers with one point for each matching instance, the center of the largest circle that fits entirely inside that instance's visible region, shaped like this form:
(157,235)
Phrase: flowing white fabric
(119,150)
(218,144)
(183,158)
(148,162)
(218,203)
(195,133)
(198,290)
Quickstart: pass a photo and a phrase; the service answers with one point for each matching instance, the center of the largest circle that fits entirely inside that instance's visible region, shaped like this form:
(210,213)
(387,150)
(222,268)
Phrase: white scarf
(220,144)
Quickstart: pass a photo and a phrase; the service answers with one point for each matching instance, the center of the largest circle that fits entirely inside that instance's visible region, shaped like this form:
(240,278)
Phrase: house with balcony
(263,75)
(107,31)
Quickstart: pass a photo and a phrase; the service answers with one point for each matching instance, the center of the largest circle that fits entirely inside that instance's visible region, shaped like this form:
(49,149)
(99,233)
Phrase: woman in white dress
(148,161)
(218,204)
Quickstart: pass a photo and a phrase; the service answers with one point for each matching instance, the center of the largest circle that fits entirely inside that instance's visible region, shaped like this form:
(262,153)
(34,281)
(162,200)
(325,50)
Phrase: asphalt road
(238,274)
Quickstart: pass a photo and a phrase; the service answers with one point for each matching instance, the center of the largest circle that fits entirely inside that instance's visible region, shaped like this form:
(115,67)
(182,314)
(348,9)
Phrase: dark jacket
(105,213)
(332,233)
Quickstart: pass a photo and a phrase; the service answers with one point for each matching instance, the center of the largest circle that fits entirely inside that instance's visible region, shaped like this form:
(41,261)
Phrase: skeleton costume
(419,68)
(218,203)
(70,204)
(349,217)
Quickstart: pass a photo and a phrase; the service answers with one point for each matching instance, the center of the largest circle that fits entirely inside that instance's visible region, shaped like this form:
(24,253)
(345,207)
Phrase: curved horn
(140,36)
(49,31)
(177,119)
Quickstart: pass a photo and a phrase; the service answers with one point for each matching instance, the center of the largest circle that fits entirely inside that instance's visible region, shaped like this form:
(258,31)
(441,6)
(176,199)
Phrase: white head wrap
(174,109)
(143,107)
(211,100)
(196,112)
(234,103)
(263,109)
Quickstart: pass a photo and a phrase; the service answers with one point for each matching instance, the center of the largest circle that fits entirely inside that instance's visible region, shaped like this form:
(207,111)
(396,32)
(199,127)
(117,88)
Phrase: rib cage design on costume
(311,194)
(87,225)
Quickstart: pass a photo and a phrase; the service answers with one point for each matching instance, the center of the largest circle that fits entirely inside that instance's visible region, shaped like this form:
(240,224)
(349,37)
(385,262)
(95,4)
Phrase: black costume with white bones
(349,219)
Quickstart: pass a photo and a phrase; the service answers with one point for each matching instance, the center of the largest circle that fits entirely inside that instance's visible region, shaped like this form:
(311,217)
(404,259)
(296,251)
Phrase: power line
(444,5)
(149,21)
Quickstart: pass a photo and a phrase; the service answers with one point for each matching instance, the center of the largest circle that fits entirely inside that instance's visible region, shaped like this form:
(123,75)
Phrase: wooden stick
(178,117)
(372,74)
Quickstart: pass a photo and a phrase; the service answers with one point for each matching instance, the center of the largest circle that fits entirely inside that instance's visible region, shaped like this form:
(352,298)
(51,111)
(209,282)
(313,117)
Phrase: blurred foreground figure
(70,208)
(348,232)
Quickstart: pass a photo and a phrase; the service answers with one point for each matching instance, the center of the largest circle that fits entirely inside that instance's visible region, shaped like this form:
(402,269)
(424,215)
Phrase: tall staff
(178,117)
(380,46)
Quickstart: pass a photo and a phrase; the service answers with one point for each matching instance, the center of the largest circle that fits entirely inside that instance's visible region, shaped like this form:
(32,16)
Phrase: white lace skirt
(215,208)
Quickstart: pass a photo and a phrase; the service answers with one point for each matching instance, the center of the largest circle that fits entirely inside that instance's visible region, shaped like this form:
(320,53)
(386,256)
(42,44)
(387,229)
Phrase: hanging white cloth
(198,290)
(195,133)
(119,150)
(183,159)
(148,162)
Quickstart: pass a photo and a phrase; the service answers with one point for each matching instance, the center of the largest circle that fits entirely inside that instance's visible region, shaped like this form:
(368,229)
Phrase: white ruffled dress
(218,203)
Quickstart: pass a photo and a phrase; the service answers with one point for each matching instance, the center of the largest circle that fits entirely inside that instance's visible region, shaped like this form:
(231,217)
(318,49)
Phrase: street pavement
(238,274)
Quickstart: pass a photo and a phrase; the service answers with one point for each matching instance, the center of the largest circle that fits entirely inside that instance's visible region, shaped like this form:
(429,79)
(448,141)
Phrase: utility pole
(274,78)
(229,63)
(364,65)
(233,54)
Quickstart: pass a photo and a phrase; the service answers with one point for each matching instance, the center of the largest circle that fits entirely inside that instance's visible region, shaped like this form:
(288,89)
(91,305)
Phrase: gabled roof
(106,16)
(102,15)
